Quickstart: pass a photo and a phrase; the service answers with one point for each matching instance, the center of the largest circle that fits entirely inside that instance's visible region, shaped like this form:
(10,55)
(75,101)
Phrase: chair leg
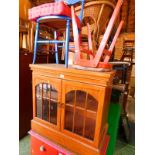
(56,48)
(124,72)
(67,42)
(35,42)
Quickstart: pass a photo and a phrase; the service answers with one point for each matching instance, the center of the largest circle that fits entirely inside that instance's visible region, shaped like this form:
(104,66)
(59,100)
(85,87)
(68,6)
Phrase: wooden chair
(58,16)
(128,50)
(94,60)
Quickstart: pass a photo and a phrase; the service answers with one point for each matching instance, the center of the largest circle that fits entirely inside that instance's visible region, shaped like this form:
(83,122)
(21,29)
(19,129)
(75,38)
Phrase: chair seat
(55,9)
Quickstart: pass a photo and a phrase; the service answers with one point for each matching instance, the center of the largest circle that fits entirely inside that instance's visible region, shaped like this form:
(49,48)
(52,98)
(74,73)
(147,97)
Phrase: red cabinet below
(42,146)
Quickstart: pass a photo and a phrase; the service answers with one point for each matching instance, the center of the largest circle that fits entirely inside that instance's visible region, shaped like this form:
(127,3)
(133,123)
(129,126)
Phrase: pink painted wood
(90,45)
(107,32)
(95,61)
(107,57)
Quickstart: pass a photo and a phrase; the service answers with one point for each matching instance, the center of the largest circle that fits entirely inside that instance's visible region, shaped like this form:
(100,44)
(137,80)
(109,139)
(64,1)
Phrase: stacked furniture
(57,16)
(70,106)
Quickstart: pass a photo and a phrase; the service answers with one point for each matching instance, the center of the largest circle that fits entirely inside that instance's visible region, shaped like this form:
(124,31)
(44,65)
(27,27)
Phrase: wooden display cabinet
(71,106)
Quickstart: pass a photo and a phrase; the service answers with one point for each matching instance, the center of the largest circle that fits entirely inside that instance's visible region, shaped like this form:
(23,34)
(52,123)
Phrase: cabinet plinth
(71,106)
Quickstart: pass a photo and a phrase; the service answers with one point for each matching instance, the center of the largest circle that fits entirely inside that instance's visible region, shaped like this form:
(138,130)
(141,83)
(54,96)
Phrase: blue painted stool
(54,18)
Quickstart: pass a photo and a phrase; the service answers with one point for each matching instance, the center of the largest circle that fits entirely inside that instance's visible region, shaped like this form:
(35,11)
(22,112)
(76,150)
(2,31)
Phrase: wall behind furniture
(24,5)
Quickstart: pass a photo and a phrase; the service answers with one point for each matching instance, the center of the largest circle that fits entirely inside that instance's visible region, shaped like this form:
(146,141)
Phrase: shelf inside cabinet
(80,121)
(81,99)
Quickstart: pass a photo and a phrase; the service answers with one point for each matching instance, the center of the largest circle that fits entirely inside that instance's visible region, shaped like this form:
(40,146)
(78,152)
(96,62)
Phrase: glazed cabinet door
(46,99)
(81,112)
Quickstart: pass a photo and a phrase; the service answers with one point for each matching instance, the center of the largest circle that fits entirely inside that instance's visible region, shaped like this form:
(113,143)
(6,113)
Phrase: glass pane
(89,128)
(92,103)
(39,108)
(54,94)
(46,100)
(68,118)
(70,97)
(53,112)
(46,90)
(39,91)
(39,100)
(80,98)
(79,121)
(46,109)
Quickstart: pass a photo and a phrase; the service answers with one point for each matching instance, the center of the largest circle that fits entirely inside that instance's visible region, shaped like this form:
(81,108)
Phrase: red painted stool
(94,60)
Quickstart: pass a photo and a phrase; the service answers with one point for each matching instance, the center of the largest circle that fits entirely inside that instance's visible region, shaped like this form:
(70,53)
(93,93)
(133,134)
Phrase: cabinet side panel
(105,110)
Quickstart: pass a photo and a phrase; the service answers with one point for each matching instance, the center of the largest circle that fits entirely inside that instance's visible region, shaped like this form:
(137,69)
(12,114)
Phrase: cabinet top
(59,69)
